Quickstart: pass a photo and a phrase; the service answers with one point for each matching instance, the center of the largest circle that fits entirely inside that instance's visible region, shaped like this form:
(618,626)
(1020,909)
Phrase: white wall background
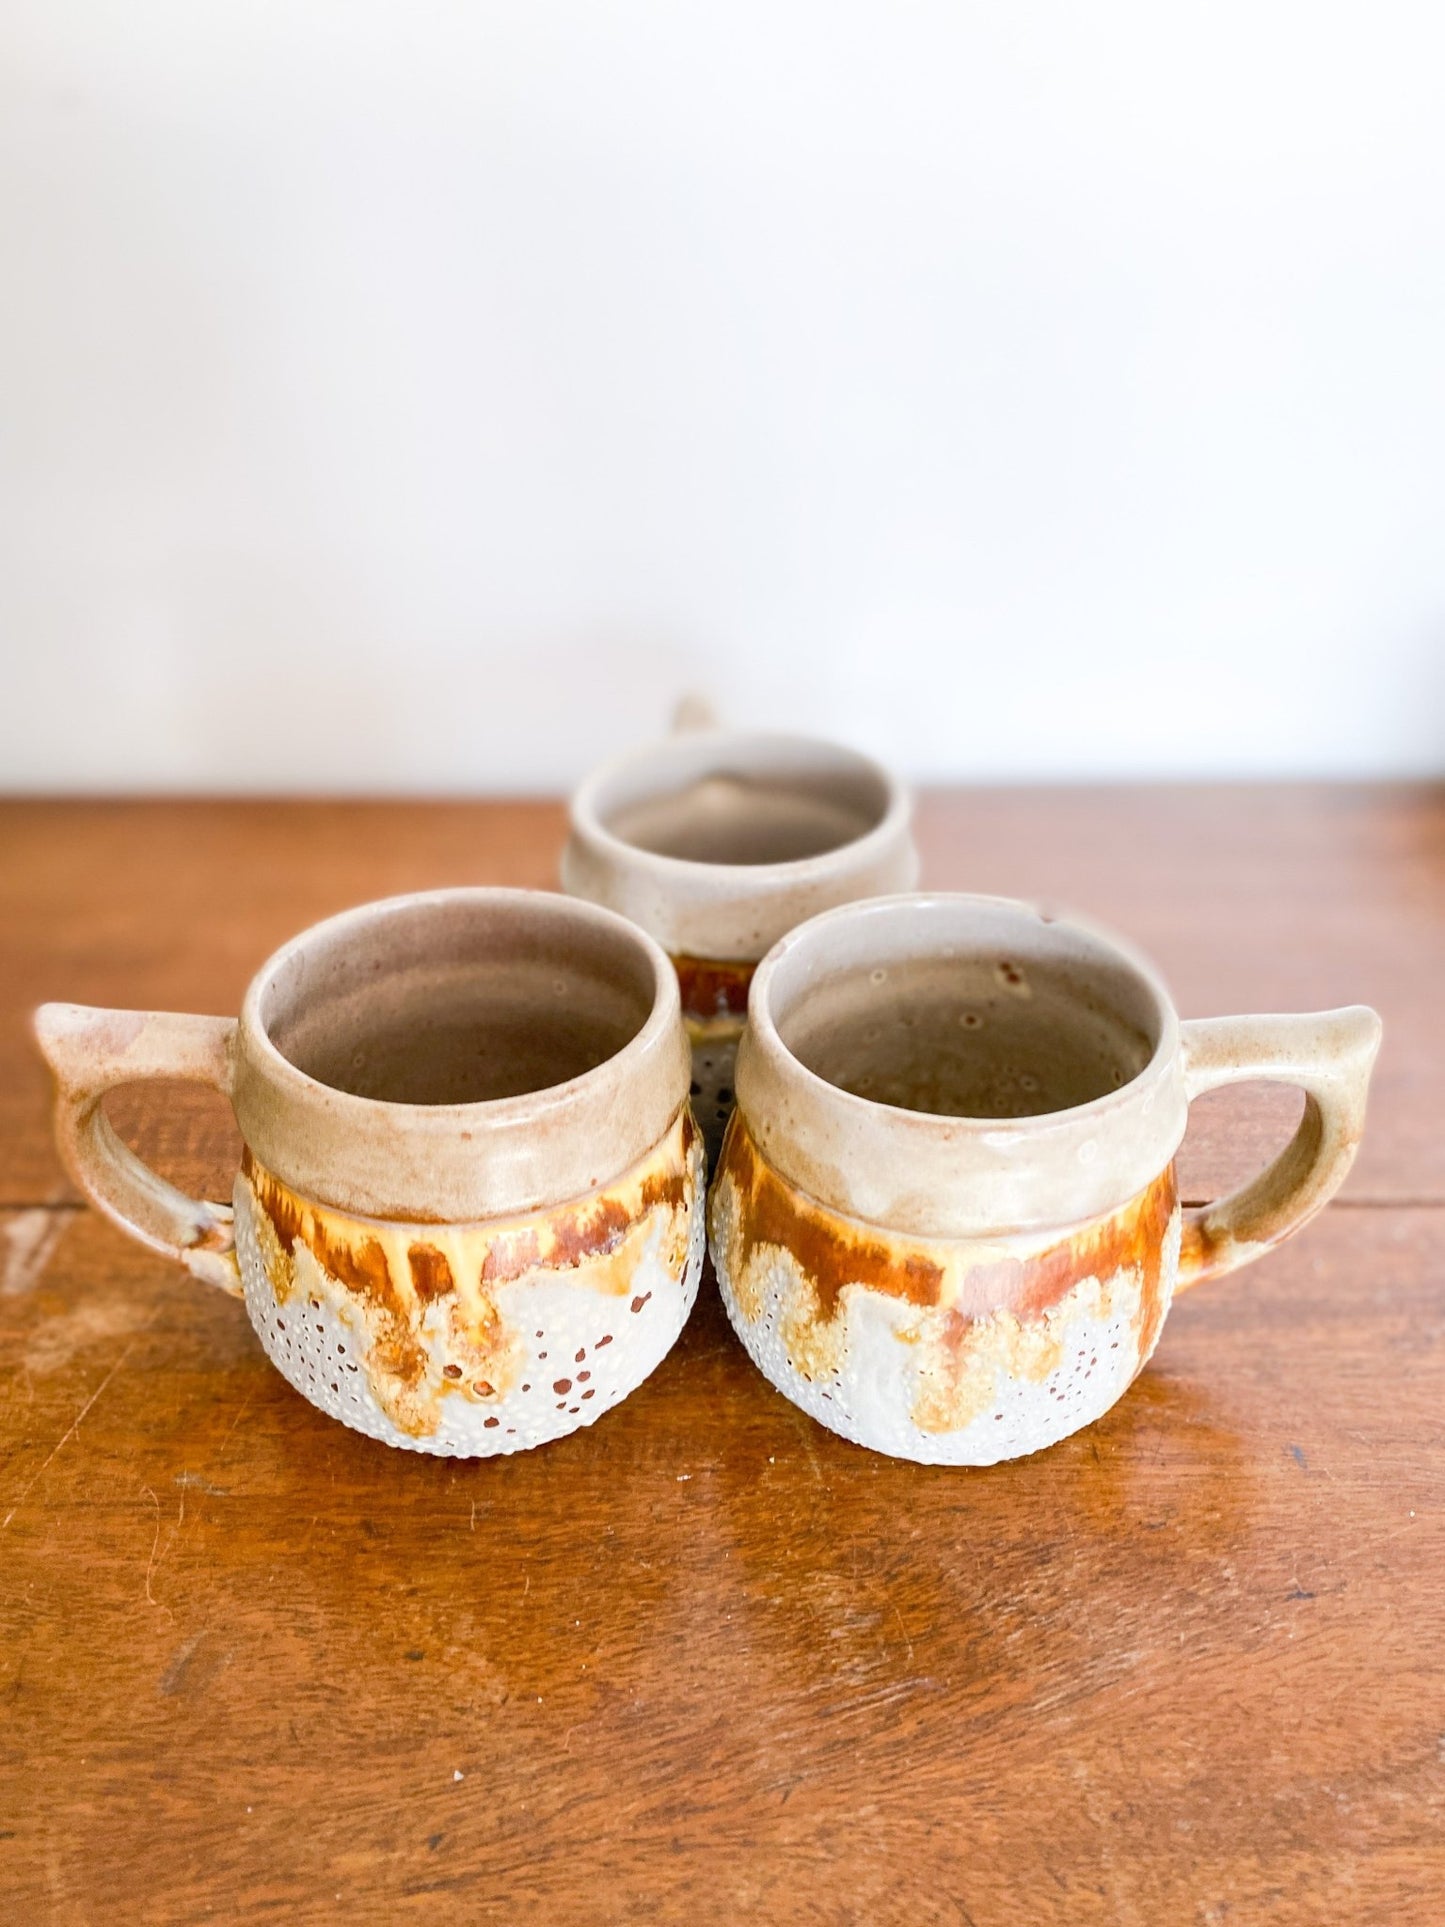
(423,395)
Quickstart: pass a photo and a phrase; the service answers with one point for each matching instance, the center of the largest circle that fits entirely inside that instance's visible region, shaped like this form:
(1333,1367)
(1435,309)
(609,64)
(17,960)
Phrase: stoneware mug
(468,1217)
(946,1222)
(717,841)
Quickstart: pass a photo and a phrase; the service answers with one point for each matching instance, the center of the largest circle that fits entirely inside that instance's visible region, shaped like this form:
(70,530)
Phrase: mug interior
(972,1012)
(746,800)
(453,1001)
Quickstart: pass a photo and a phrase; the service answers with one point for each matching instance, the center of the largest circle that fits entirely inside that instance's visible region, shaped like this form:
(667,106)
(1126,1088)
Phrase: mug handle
(1329,1055)
(89,1053)
(693,712)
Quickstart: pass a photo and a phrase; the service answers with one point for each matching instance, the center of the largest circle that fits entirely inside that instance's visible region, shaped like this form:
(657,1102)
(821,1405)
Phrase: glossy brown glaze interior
(973,1036)
(459,1004)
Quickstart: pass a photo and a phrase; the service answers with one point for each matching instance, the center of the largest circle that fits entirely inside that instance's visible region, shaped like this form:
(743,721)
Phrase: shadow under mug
(718,841)
(469,1213)
(946,1222)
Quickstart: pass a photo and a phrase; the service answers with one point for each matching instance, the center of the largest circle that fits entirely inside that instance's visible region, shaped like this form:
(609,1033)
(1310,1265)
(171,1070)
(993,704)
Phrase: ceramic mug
(468,1217)
(946,1222)
(717,841)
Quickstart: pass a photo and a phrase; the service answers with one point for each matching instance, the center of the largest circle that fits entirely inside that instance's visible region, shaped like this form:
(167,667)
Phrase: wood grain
(706,1662)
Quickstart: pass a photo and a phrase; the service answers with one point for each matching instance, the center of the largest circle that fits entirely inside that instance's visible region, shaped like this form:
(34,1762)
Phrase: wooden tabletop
(707,1662)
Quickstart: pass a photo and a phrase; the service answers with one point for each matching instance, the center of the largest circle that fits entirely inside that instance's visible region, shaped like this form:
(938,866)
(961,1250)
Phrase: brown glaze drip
(359,1265)
(713,989)
(1204,1248)
(431,1275)
(405,1315)
(1131,1240)
(831,1251)
(510,1255)
(668,1188)
(1024,1343)
(1156,1207)
(594,1229)
(593,1233)
(1004,1318)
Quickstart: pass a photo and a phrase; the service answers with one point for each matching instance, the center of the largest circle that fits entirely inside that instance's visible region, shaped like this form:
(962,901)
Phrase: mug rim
(470,1161)
(586,817)
(958,1176)
(731,912)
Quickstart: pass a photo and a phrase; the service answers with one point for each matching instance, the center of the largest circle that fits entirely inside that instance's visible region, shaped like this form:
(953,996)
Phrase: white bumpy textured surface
(881,1377)
(597,1344)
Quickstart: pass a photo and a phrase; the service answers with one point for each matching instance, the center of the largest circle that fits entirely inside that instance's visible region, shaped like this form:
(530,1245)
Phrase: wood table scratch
(67,1435)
